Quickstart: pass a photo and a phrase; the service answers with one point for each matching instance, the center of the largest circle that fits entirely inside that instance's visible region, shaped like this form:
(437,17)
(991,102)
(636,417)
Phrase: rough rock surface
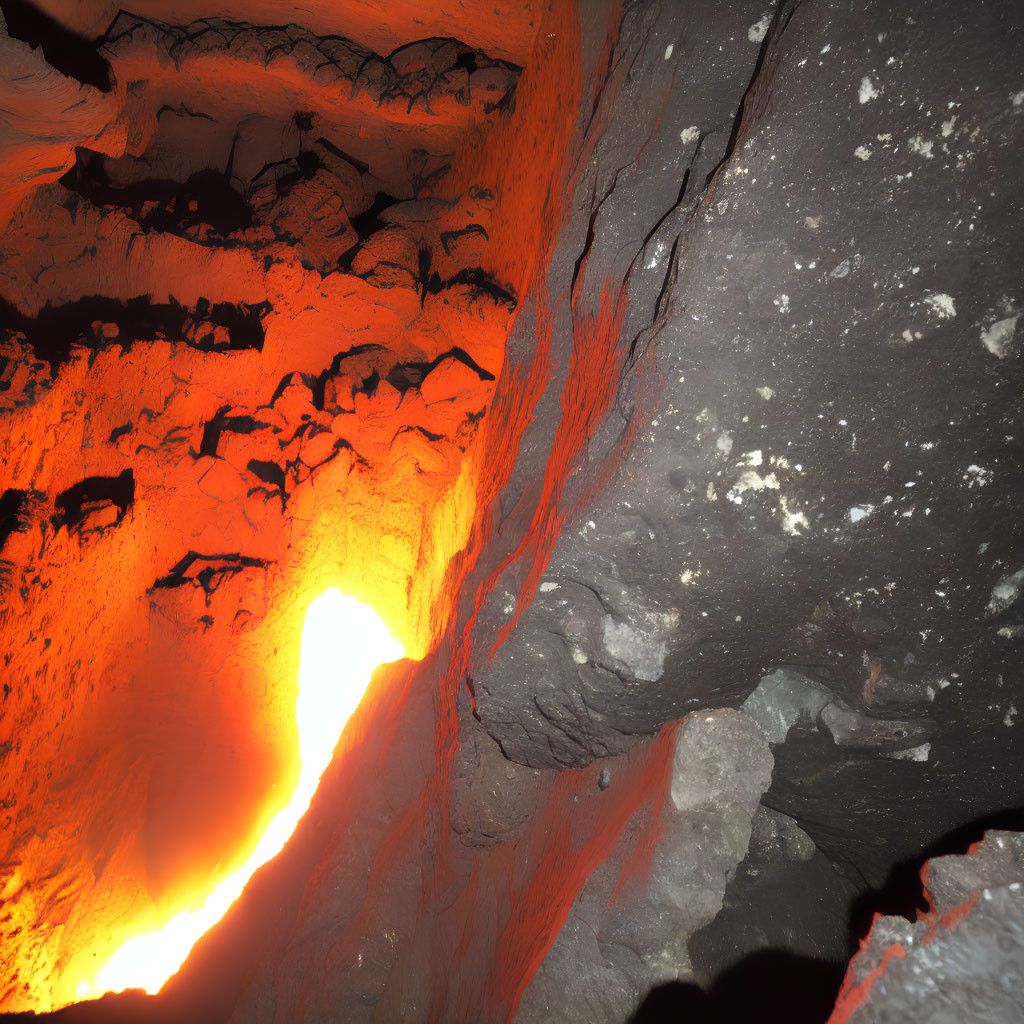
(821,485)
(786,901)
(45,115)
(962,960)
(688,381)
(505,28)
(233,367)
(633,935)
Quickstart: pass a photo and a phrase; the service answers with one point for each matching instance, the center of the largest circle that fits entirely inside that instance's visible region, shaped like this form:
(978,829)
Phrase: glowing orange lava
(343,641)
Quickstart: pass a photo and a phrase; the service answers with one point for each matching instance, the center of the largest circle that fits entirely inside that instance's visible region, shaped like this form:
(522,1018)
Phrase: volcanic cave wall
(278,437)
(734,627)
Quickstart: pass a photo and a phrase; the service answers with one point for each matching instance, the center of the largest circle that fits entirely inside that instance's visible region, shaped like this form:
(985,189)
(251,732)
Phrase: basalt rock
(654,367)
(961,959)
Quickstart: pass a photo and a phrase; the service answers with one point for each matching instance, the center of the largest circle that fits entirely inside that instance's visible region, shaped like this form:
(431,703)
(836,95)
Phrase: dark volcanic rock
(829,477)
(963,960)
(625,934)
(785,897)
(608,609)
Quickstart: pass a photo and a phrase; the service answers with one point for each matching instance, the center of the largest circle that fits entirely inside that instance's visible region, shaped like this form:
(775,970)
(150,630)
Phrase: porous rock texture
(963,959)
(238,364)
(635,938)
(677,374)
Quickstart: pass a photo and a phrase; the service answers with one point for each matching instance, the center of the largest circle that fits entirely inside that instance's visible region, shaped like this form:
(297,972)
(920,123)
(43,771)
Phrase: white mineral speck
(867,90)
(998,338)
(691,134)
(862,152)
(759,29)
(922,148)
(914,753)
(668,50)
(977,476)
(765,392)
(1005,592)
(941,305)
(792,520)
(751,480)
(660,249)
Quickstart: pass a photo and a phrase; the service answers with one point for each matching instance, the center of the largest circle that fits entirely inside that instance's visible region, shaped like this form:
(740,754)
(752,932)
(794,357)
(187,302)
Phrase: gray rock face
(817,482)
(622,940)
(783,699)
(588,667)
(786,698)
(961,962)
(782,497)
(786,898)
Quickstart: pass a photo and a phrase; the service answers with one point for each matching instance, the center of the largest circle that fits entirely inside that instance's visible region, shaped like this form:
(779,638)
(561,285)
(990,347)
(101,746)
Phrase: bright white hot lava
(343,641)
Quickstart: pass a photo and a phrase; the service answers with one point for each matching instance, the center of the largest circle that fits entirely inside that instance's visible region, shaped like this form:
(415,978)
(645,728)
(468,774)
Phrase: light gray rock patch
(1005,593)
(782,699)
(641,653)
(998,338)
(969,969)
(786,698)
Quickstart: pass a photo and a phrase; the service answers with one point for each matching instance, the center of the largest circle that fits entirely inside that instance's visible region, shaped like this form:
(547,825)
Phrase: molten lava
(343,641)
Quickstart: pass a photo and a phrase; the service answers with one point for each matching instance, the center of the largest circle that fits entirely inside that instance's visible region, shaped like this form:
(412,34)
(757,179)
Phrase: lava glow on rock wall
(299,399)
(343,641)
(474,314)
(213,478)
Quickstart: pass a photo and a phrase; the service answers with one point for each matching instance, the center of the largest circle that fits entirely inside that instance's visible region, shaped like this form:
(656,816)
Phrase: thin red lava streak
(571,836)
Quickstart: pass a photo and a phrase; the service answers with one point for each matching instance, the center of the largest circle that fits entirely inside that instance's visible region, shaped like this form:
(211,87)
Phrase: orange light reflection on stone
(343,641)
